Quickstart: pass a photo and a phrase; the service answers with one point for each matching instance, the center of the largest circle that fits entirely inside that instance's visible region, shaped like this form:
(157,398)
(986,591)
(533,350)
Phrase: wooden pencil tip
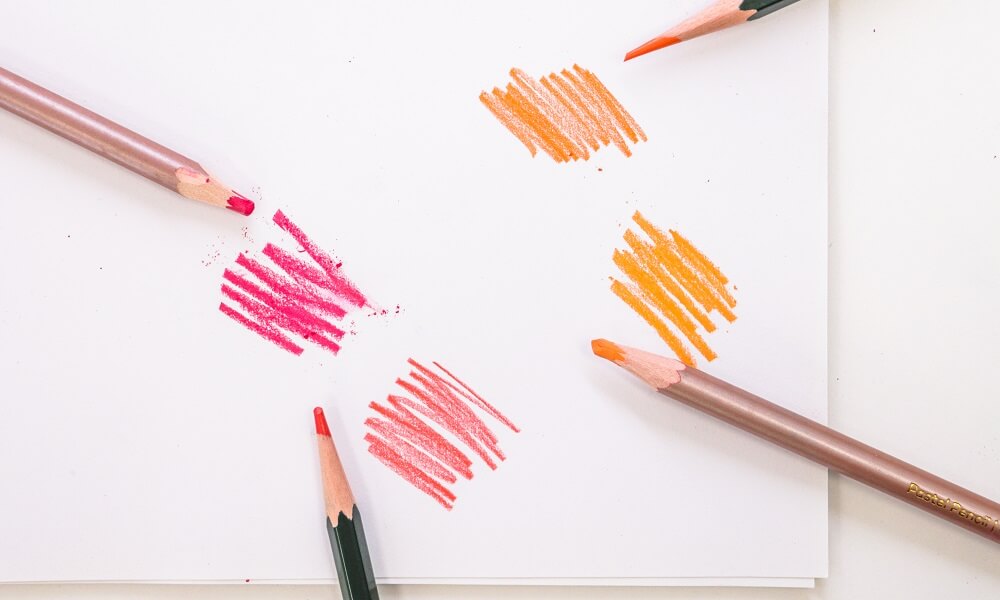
(240,204)
(321,427)
(658,371)
(607,350)
(651,45)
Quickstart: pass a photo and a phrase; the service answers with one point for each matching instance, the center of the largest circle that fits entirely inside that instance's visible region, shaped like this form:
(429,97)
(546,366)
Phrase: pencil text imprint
(948,505)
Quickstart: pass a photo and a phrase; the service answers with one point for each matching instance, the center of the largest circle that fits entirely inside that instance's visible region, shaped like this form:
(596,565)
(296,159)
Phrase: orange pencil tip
(651,45)
(607,350)
(321,427)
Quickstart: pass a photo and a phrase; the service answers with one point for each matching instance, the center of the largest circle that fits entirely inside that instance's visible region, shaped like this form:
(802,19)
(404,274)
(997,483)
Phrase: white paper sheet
(145,436)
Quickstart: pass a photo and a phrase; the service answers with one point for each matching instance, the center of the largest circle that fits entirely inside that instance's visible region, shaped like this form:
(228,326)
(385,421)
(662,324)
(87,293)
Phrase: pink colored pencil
(116,143)
(808,438)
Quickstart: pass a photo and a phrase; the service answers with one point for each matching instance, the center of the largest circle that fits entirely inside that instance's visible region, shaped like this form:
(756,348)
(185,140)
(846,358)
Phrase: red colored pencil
(343,521)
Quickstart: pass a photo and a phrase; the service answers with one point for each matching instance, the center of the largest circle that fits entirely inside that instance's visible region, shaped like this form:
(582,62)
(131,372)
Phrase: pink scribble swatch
(285,296)
(423,435)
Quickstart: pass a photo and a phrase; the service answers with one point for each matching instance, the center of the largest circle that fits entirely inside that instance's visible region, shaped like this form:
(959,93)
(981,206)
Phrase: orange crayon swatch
(566,115)
(667,279)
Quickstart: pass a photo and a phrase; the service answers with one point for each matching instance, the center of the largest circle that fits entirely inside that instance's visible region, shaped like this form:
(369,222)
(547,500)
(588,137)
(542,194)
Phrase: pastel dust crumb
(382,312)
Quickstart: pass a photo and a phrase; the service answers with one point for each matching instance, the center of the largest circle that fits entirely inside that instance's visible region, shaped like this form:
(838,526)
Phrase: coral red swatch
(282,296)
(566,115)
(426,434)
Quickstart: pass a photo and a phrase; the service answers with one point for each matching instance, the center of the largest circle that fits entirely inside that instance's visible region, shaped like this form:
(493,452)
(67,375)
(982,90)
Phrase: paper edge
(755,582)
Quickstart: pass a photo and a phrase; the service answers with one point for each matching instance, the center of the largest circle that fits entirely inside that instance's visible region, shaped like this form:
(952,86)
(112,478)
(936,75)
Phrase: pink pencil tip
(321,427)
(238,203)
(651,45)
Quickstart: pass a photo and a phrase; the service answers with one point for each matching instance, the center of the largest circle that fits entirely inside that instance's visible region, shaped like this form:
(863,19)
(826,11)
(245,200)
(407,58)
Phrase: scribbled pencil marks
(426,433)
(566,115)
(281,296)
(667,279)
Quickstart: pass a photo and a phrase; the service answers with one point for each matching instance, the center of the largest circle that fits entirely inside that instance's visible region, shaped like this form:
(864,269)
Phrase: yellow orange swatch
(666,280)
(566,115)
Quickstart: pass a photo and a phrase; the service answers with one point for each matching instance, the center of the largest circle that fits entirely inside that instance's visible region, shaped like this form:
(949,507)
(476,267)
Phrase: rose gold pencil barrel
(114,142)
(808,438)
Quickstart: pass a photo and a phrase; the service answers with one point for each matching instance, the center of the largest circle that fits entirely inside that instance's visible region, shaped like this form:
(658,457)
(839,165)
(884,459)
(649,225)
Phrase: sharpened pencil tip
(321,427)
(240,204)
(651,45)
(607,350)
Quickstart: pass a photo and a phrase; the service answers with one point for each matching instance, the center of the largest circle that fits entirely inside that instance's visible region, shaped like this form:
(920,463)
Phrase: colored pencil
(116,143)
(808,438)
(343,521)
(720,15)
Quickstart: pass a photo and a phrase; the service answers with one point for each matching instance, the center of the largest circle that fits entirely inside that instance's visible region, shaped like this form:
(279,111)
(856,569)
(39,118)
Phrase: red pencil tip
(651,45)
(238,203)
(321,427)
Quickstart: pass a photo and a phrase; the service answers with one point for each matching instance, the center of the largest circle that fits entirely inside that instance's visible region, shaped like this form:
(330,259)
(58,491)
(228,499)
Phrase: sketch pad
(146,436)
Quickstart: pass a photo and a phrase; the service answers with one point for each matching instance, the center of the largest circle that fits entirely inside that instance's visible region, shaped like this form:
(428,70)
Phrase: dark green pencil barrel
(764,7)
(350,554)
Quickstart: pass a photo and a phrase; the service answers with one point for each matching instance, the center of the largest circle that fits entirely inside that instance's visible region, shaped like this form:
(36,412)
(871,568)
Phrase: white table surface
(914,278)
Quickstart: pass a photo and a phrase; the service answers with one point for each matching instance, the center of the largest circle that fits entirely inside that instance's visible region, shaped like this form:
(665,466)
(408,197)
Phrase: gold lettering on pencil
(950,506)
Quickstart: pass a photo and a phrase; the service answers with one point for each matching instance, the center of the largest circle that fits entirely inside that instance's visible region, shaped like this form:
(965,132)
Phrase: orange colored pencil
(141,155)
(808,438)
(720,15)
